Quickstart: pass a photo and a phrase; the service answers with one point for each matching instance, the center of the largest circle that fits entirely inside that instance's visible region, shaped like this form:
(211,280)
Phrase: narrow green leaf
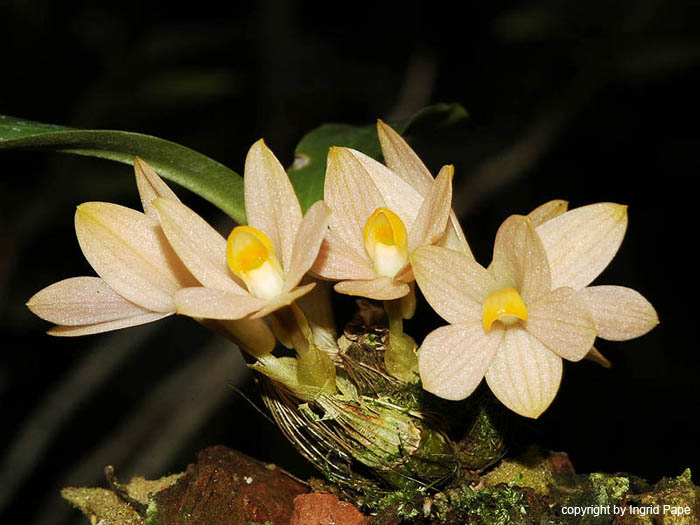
(309,169)
(196,172)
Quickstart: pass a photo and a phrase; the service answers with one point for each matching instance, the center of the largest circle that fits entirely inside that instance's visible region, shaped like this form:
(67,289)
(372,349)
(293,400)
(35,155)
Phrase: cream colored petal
(130,252)
(150,187)
(524,375)
(281,332)
(212,303)
(619,313)
(319,311)
(595,356)
(562,321)
(408,302)
(199,246)
(402,159)
(251,335)
(81,301)
(352,196)
(453,359)
(519,259)
(107,326)
(431,220)
(399,196)
(308,243)
(270,202)
(454,284)
(283,300)
(405,274)
(547,211)
(337,261)
(381,289)
(582,242)
(454,238)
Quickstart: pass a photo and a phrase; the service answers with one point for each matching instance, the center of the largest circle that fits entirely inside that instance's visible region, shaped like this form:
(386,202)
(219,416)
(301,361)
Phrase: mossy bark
(226,487)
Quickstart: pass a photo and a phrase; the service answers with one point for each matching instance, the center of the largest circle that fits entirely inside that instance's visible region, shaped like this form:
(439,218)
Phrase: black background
(586,101)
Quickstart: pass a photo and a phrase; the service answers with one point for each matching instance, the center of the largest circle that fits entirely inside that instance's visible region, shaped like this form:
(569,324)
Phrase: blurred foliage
(194,171)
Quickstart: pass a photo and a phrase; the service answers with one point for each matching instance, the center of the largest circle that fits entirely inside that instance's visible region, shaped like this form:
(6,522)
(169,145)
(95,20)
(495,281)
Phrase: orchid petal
(82,301)
(337,261)
(399,196)
(212,303)
(352,195)
(582,242)
(619,313)
(284,299)
(563,323)
(454,284)
(402,160)
(130,252)
(595,356)
(270,202)
(251,335)
(150,187)
(519,259)
(453,359)
(200,247)
(454,238)
(431,220)
(307,244)
(319,312)
(547,211)
(107,326)
(524,375)
(381,289)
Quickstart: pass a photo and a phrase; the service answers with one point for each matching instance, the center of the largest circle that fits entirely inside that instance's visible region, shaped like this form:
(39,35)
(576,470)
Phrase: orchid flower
(139,272)
(377,221)
(514,322)
(258,271)
(259,268)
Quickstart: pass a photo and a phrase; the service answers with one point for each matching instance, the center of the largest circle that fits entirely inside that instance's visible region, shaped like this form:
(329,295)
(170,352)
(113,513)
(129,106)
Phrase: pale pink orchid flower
(377,221)
(259,269)
(514,322)
(139,272)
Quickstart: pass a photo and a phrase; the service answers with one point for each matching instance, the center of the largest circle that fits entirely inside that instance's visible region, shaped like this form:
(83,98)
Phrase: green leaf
(196,172)
(309,169)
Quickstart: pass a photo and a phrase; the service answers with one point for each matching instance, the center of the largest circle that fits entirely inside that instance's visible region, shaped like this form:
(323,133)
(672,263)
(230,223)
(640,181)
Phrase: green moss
(499,505)
(101,505)
(405,503)
(483,442)
(151,513)
(615,487)
(532,470)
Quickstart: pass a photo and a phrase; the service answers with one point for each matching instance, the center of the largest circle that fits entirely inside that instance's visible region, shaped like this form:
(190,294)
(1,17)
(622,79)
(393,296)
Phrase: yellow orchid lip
(386,242)
(504,305)
(251,256)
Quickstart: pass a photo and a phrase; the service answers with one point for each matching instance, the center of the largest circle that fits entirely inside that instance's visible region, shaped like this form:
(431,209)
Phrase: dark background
(586,101)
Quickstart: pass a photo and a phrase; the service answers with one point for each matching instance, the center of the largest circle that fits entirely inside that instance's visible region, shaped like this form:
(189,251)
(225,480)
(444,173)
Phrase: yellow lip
(386,241)
(504,305)
(251,256)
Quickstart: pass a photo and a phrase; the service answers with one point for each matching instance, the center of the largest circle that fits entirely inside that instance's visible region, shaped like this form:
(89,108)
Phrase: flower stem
(314,367)
(400,356)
